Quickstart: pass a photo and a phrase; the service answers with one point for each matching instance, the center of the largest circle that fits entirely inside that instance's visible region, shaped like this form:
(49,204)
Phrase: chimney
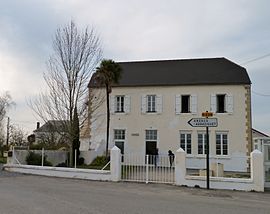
(38,125)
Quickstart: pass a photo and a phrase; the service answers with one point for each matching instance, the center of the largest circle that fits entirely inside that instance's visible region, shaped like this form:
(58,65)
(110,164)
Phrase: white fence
(147,168)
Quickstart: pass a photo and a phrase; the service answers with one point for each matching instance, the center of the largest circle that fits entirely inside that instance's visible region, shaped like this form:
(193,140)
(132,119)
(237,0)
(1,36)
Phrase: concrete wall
(169,124)
(256,182)
(114,174)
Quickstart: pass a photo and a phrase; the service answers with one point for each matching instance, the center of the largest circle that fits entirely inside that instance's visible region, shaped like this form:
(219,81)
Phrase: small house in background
(53,132)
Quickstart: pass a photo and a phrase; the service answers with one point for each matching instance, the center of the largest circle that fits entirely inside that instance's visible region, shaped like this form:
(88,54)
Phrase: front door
(120,145)
(151,148)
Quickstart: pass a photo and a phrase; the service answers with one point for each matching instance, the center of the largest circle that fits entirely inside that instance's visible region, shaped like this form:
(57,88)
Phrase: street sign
(207,114)
(203,122)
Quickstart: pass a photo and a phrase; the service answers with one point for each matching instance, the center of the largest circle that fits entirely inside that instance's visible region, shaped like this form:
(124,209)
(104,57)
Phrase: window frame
(203,142)
(222,143)
(186,109)
(120,104)
(187,145)
(151,103)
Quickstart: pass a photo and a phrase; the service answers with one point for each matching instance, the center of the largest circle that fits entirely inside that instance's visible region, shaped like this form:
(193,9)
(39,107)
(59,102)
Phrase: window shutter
(178,104)
(127,104)
(229,103)
(143,104)
(112,104)
(194,104)
(159,104)
(213,103)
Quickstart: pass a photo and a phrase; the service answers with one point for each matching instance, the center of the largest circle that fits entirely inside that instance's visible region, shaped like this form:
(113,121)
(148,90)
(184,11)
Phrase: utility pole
(7,131)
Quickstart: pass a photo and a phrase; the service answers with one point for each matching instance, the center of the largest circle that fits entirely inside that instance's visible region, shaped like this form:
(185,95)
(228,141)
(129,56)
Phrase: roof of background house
(52,126)
(257,133)
(206,71)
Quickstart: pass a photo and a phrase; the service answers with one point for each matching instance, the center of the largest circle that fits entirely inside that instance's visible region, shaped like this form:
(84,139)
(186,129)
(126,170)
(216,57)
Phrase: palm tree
(108,73)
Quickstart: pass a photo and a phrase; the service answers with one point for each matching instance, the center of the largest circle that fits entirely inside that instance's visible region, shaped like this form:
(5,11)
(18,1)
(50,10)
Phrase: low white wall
(63,172)
(256,182)
(114,174)
(55,157)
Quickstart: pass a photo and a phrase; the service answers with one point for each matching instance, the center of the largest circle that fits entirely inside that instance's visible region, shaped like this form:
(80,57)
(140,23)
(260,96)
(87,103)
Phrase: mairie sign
(203,122)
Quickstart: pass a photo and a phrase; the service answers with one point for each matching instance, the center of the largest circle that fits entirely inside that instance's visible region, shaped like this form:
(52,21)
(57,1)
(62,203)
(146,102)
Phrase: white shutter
(112,104)
(194,104)
(159,104)
(143,104)
(127,104)
(177,104)
(229,103)
(213,103)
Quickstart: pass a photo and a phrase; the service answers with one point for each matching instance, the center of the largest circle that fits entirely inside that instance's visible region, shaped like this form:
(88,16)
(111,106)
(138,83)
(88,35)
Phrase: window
(119,103)
(185,142)
(119,139)
(202,143)
(151,135)
(221,143)
(185,104)
(221,103)
(151,103)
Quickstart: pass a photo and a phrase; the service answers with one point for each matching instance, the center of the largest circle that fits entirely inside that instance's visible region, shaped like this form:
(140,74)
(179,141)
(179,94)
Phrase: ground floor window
(202,143)
(185,141)
(222,143)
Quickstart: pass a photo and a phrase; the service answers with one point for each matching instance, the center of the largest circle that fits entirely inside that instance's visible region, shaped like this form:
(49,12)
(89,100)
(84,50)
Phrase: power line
(255,59)
(260,94)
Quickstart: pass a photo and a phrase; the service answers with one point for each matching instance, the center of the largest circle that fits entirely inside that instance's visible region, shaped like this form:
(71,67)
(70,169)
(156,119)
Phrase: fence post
(257,170)
(13,155)
(42,157)
(147,169)
(180,167)
(115,167)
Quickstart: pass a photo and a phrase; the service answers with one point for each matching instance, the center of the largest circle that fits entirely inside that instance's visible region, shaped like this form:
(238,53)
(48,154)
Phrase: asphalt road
(35,194)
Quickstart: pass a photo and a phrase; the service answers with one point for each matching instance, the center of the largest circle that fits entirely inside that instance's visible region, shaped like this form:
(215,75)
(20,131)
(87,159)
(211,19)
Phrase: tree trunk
(108,120)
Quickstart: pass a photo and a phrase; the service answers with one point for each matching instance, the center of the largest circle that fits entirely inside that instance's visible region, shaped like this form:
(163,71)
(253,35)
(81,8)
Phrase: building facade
(153,102)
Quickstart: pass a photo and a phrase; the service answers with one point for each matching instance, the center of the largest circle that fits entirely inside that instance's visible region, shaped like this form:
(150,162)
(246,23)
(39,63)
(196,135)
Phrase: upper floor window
(186,103)
(119,103)
(185,142)
(151,103)
(222,103)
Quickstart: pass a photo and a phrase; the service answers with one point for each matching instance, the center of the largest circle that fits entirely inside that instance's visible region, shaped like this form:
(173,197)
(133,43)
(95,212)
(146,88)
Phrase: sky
(135,30)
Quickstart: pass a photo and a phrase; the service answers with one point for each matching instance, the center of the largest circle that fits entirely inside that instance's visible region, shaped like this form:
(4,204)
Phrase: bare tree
(5,103)
(75,57)
(17,136)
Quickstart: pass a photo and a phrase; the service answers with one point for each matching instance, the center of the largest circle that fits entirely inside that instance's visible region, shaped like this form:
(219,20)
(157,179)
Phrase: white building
(154,100)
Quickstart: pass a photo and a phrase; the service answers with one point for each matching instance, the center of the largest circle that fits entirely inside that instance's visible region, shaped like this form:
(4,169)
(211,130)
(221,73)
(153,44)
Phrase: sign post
(205,122)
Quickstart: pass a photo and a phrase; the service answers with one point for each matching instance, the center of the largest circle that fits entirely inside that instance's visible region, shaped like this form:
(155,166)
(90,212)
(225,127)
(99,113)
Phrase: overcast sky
(136,30)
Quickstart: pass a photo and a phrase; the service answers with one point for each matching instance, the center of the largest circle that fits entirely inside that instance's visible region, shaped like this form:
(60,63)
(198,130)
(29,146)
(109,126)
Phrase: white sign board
(203,122)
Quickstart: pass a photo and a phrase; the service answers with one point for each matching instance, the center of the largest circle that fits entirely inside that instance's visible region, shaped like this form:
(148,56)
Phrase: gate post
(257,170)
(115,164)
(180,167)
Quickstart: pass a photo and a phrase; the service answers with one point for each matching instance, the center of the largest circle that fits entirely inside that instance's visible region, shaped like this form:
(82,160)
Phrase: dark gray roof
(53,126)
(206,71)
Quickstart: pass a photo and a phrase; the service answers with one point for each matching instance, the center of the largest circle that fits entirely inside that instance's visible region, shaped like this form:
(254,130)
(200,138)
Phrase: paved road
(34,194)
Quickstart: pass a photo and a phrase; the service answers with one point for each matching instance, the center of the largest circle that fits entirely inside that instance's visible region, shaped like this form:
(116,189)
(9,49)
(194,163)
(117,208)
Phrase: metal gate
(148,168)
